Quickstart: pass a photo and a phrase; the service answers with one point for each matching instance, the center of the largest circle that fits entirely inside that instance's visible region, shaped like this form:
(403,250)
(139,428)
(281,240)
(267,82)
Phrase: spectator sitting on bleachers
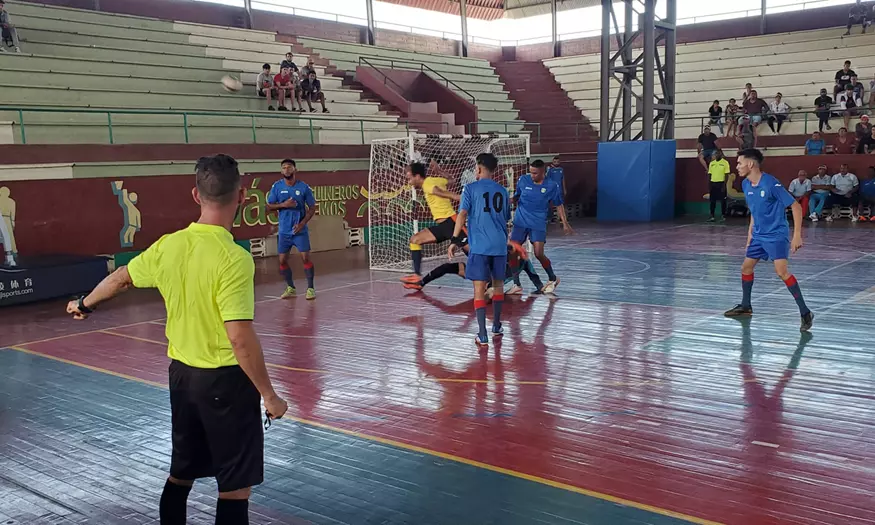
(872,94)
(756,108)
(814,145)
(285,86)
(821,186)
(800,189)
(822,106)
(715,114)
(264,86)
(844,192)
(10,35)
(312,89)
(867,196)
(842,144)
(850,104)
(289,62)
(748,89)
(731,118)
(843,76)
(863,129)
(707,146)
(858,14)
(746,137)
(866,145)
(859,89)
(779,111)
(299,92)
(309,68)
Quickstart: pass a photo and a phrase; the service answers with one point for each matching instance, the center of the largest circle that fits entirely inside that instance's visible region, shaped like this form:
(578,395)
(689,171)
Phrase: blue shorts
(301,241)
(486,267)
(519,234)
(768,250)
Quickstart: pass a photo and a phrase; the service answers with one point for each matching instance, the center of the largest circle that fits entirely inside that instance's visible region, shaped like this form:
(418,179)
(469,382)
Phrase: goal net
(397,210)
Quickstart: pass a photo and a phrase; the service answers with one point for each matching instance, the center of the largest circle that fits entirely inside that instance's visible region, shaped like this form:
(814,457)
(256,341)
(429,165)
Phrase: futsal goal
(396,210)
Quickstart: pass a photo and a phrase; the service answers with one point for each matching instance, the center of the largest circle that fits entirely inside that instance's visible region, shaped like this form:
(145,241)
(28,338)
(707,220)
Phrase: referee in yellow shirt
(718,171)
(217,372)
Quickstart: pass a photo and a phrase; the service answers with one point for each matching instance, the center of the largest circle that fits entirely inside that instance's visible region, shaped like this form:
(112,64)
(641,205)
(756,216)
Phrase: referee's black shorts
(217,427)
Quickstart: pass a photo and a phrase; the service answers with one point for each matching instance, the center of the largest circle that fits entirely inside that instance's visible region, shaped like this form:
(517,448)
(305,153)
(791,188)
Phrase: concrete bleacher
(796,64)
(75,59)
(469,77)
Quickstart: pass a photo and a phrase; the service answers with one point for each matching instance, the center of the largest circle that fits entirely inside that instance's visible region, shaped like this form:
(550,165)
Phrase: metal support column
(669,62)
(554,15)
(629,74)
(763,17)
(247,6)
(463,9)
(649,31)
(371,31)
(605,88)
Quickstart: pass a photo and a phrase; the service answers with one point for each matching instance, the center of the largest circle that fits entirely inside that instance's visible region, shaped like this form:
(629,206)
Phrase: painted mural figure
(133,221)
(7,226)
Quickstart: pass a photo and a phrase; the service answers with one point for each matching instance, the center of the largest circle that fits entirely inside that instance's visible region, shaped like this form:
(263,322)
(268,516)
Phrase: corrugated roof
(495,9)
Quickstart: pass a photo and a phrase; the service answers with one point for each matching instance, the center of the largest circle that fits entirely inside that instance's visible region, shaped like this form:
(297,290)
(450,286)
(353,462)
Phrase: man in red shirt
(284,86)
(843,144)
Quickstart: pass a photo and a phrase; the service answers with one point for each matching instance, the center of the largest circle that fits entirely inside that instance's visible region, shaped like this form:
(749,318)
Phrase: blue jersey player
(294,202)
(768,237)
(534,198)
(556,173)
(486,207)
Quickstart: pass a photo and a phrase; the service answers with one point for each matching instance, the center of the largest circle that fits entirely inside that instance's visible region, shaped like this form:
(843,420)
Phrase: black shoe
(312,110)
(324,111)
(807,321)
(739,311)
(271,108)
(283,108)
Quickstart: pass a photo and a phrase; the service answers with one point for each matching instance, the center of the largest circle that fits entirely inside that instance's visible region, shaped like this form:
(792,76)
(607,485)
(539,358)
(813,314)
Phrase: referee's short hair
(752,154)
(488,161)
(537,163)
(217,178)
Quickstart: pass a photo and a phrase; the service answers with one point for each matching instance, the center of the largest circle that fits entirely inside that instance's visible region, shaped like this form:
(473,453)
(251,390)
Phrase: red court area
(629,385)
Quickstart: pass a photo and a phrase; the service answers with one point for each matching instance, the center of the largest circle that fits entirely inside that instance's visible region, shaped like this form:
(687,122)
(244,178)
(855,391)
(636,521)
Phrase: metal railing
(423,67)
(386,77)
(312,121)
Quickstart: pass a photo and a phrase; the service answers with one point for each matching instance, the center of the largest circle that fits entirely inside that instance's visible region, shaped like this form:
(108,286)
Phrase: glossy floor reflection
(627,399)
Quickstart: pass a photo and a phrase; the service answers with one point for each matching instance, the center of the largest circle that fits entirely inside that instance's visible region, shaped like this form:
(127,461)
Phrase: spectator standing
(849,103)
(843,144)
(756,108)
(312,90)
(556,173)
(814,145)
(845,188)
(863,128)
(779,111)
(746,137)
(289,62)
(264,86)
(858,14)
(731,118)
(285,86)
(718,171)
(867,196)
(843,76)
(821,186)
(866,145)
(707,145)
(800,189)
(10,35)
(715,115)
(822,107)
(748,89)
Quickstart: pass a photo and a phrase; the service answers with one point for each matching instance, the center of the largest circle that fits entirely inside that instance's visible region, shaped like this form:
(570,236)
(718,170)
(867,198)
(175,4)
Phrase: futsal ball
(231,84)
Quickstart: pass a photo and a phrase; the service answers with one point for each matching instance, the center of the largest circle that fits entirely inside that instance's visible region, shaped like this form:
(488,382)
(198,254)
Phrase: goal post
(396,210)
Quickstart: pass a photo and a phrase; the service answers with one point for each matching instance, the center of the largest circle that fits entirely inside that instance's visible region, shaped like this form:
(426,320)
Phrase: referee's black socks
(232,512)
(173,503)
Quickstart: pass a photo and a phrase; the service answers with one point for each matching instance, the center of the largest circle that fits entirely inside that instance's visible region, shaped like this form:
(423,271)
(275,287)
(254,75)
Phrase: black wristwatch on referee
(81,306)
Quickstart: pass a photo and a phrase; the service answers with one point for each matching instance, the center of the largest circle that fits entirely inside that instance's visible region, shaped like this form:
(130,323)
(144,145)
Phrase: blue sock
(416,255)
(497,302)
(286,272)
(746,289)
(480,310)
(309,272)
(796,292)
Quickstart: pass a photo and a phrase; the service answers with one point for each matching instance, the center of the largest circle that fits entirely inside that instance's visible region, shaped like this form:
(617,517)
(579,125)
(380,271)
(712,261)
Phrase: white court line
(626,236)
(764,444)
(270,298)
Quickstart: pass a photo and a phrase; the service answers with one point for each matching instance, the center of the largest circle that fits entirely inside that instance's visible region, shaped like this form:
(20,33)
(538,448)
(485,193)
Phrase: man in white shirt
(779,111)
(850,104)
(821,186)
(800,189)
(845,188)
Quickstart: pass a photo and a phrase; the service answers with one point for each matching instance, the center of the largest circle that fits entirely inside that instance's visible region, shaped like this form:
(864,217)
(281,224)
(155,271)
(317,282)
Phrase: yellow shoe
(311,294)
(290,292)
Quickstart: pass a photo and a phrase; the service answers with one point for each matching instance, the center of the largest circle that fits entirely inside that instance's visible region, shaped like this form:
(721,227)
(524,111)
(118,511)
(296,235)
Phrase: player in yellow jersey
(440,203)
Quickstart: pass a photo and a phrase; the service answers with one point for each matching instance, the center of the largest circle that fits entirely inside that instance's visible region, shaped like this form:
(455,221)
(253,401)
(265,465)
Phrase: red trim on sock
(308,265)
(284,267)
(747,277)
(498,297)
(547,263)
(479,303)
(791,280)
